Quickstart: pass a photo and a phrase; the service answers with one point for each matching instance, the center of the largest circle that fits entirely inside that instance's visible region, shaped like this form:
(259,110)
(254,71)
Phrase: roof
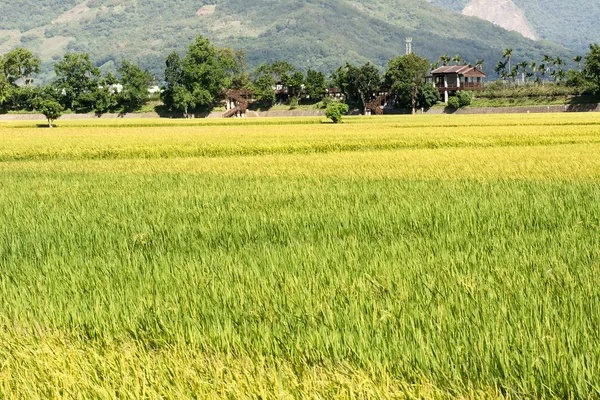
(465,70)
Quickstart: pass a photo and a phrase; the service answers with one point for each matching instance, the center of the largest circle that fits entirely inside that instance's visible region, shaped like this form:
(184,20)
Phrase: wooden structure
(237,103)
(335,93)
(378,103)
(453,78)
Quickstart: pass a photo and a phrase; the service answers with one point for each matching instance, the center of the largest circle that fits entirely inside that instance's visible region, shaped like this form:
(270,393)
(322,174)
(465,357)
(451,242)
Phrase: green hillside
(571,23)
(308,33)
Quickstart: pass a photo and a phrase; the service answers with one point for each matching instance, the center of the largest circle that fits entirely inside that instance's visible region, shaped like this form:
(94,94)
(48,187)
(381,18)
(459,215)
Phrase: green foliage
(183,99)
(592,67)
(136,82)
(464,98)
(357,83)
(294,83)
(173,79)
(406,75)
(263,89)
(428,96)
(76,79)
(316,86)
(204,72)
(20,65)
(335,111)
(51,109)
(454,102)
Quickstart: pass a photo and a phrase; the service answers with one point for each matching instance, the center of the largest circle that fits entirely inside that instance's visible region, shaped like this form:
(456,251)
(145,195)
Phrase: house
(453,78)
(335,93)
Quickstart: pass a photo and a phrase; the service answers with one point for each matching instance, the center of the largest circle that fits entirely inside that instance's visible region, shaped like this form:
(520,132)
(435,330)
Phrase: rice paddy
(397,257)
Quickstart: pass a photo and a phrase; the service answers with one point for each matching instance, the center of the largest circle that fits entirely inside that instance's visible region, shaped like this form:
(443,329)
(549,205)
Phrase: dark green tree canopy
(20,65)
(316,86)
(76,78)
(204,72)
(406,75)
(592,67)
(136,82)
(357,83)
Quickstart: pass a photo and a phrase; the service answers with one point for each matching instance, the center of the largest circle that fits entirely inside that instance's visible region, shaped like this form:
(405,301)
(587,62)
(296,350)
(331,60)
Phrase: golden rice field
(425,257)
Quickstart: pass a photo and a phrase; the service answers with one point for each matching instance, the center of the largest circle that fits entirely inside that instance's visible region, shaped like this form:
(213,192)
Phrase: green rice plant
(385,258)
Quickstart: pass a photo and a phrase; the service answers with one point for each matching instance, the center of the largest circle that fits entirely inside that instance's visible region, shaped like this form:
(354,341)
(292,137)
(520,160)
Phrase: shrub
(453,102)
(335,111)
(464,98)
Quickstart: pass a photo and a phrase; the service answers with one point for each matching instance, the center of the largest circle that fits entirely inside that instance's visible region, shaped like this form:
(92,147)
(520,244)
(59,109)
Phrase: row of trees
(199,78)
(78,86)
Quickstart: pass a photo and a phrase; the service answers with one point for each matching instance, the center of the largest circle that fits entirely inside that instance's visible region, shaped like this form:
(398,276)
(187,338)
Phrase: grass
(394,257)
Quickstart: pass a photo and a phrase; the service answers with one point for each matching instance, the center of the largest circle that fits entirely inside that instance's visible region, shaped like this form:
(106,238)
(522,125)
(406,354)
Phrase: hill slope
(308,33)
(571,23)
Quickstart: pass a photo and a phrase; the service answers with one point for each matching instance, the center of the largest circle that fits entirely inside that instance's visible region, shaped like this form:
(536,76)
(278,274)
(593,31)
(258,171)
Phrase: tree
(428,96)
(294,83)
(263,89)
(479,64)
(445,59)
(6,88)
(335,111)
(357,83)
(183,99)
(406,75)
(316,87)
(508,55)
(500,69)
(592,67)
(578,60)
(204,72)
(20,65)
(105,96)
(76,77)
(457,59)
(136,82)
(51,109)
(173,78)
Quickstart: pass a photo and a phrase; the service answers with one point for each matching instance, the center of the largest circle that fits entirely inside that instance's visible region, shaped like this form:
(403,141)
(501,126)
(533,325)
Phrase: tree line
(198,80)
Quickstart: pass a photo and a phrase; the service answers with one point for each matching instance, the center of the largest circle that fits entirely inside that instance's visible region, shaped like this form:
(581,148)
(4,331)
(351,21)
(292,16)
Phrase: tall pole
(408,46)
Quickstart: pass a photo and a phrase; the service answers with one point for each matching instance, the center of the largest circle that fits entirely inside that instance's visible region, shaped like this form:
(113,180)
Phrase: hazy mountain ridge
(308,33)
(573,23)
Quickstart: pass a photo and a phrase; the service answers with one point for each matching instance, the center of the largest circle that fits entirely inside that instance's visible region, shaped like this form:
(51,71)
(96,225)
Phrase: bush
(464,98)
(453,102)
(335,111)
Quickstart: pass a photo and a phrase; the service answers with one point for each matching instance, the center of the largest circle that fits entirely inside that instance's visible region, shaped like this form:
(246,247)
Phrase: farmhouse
(453,78)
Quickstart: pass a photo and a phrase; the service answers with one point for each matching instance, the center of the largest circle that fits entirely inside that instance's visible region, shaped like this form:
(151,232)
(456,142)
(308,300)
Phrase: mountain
(572,23)
(308,33)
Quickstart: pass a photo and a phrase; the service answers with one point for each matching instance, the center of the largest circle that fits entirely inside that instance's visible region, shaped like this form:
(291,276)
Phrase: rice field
(427,257)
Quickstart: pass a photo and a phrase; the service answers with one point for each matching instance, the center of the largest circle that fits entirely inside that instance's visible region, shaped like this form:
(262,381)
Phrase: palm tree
(533,66)
(529,76)
(543,70)
(457,59)
(507,55)
(435,66)
(514,72)
(479,64)
(445,59)
(546,59)
(500,67)
(578,60)
(523,66)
